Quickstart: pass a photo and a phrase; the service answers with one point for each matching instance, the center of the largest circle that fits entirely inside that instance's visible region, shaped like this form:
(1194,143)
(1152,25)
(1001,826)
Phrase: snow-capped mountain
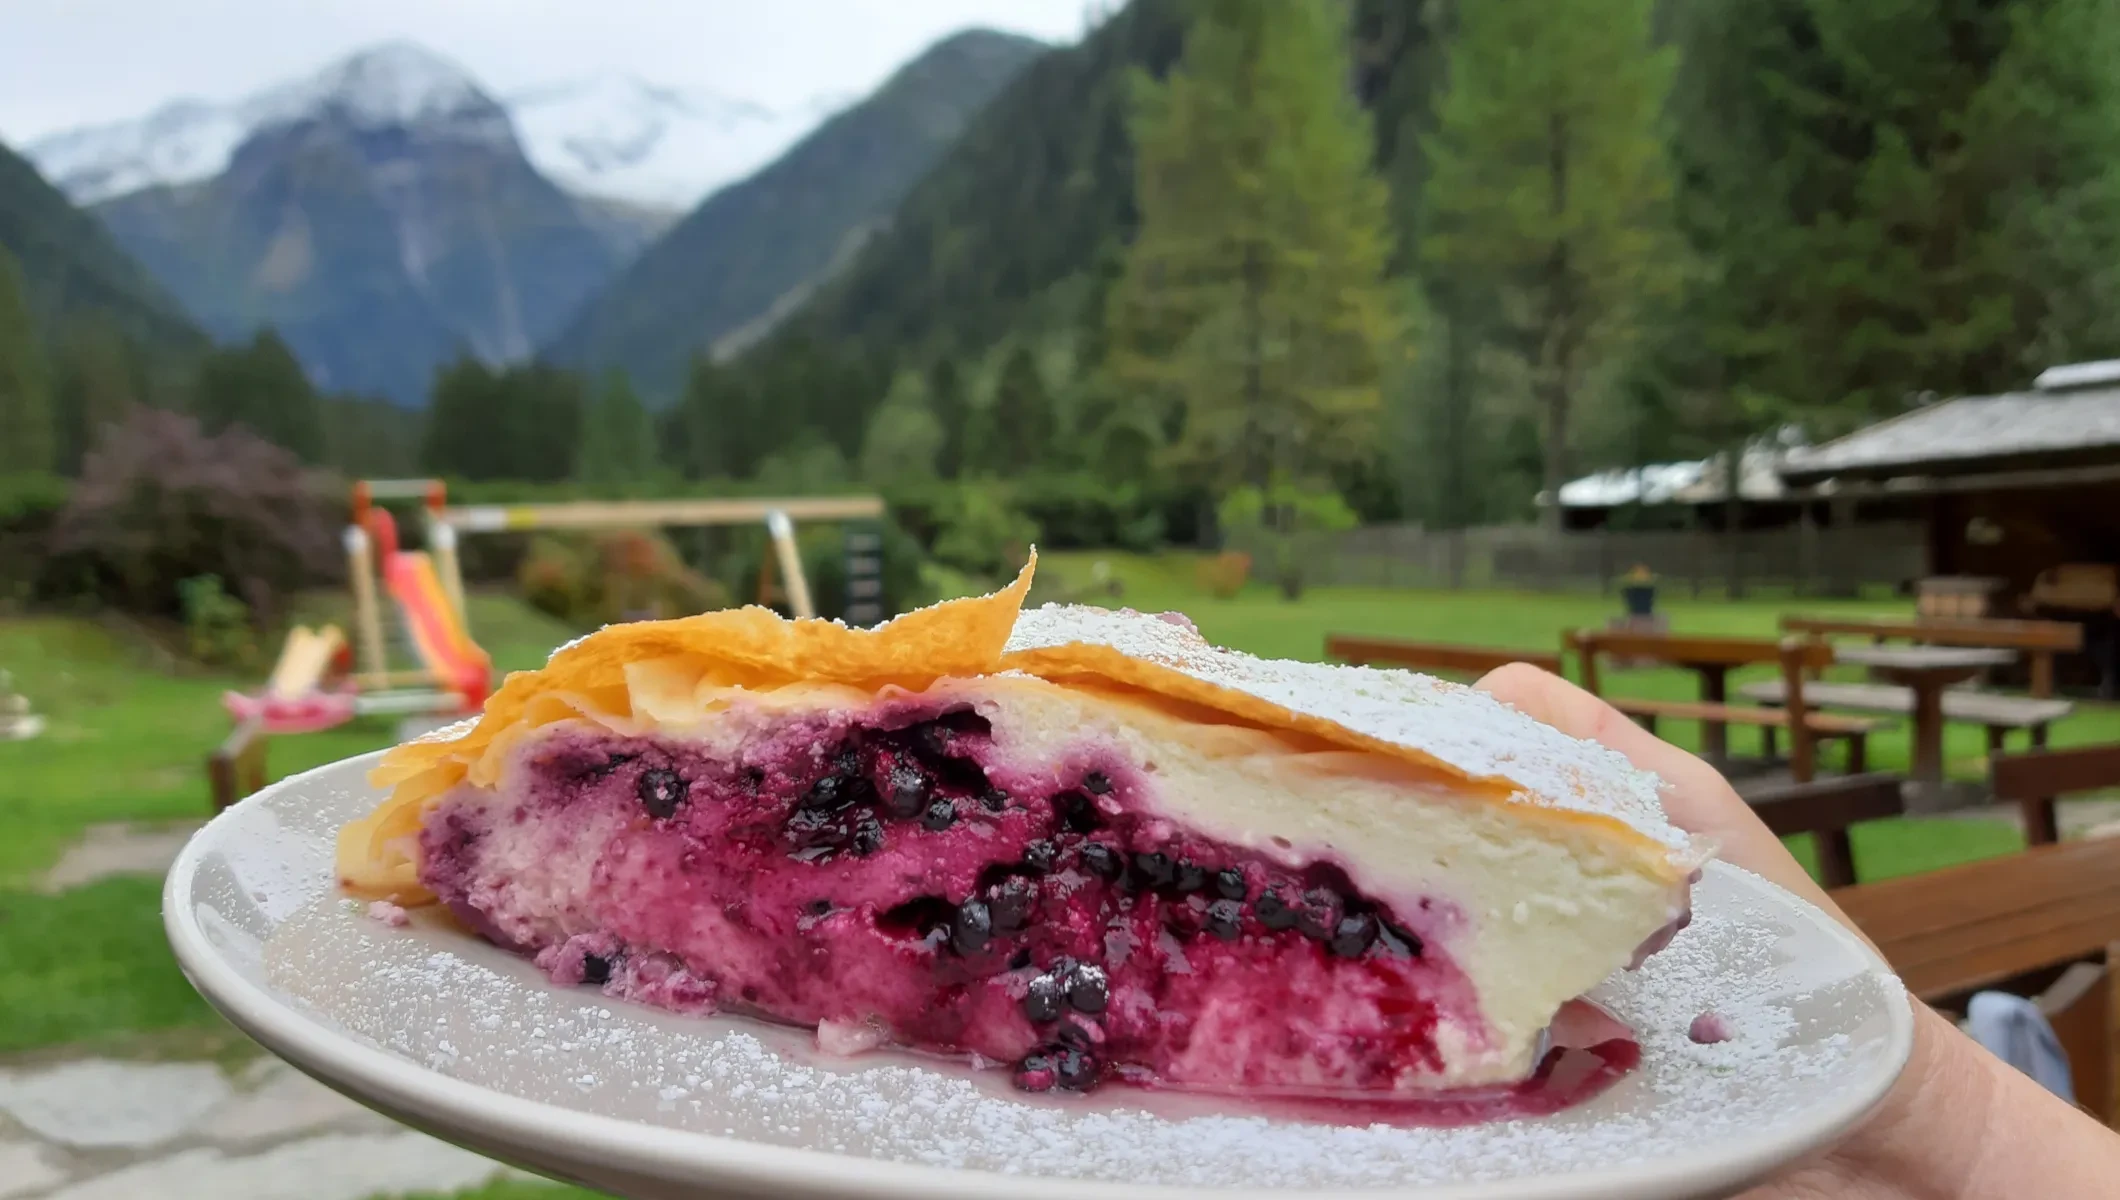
(186,141)
(614,136)
(607,136)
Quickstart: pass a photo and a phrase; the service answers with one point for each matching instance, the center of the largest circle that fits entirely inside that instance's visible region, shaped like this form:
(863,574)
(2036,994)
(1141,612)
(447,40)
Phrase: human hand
(1958,1122)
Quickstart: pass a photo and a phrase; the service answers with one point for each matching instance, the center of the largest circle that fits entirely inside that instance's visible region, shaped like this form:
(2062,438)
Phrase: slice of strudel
(1083,843)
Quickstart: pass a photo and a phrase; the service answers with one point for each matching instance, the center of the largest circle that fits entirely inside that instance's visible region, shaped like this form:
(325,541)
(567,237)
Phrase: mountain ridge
(384,224)
(749,246)
(606,136)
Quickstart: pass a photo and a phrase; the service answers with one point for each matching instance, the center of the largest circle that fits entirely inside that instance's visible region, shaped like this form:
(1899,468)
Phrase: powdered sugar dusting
(1462,726)
(1807,1013)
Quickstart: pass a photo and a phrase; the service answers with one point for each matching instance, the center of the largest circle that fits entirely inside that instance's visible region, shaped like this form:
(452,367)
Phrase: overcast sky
(65,63)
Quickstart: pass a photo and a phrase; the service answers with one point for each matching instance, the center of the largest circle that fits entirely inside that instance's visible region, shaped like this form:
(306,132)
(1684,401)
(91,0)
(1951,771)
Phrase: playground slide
(438,636)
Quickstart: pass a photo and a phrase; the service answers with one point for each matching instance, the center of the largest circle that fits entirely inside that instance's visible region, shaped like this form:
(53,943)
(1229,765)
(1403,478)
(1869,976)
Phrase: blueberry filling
(1101,930)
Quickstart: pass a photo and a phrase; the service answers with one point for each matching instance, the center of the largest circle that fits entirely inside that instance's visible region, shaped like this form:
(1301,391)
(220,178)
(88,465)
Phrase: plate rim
(376,1077)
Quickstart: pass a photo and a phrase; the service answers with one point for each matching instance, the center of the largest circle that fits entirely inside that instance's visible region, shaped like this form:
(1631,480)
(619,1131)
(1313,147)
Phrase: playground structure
(320,681)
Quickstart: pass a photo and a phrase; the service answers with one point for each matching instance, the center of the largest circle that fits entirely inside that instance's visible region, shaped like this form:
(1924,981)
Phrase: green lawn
(128,738)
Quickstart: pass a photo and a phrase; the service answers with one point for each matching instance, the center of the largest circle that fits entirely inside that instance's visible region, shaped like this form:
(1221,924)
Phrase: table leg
(1928,732)
(1714,735)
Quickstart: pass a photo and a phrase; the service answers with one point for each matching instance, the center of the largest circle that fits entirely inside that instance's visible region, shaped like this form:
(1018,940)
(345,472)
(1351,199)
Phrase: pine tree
(261,387)
(1899,198)
(25,391)
(466,414)
(1252,307)
(1024,421)
(953,412)
(1548,184)
(904,438)
(99,378)
(618,438)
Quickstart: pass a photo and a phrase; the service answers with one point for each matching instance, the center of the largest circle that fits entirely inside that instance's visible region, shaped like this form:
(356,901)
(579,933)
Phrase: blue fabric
(2014,1029)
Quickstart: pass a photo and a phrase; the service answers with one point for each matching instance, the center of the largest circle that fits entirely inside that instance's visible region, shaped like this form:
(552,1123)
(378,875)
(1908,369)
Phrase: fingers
(1697,798)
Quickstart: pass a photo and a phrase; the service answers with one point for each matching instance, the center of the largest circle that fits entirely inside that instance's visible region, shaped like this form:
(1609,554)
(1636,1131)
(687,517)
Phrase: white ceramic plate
(453,1036)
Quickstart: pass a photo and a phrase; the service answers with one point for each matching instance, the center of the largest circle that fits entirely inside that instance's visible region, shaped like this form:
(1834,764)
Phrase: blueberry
(1273,912)
(1191,876)
(1045,1000)
(1011,905)
(662,792)
(993,799)
(1038,856)
(596,968)
(1319,916)
(1097,783)
(1353,935)
(1102,860)
(1087,989)
(934,738)
(939,816)
(1035,1073)
(1077,812)
(971,928)
(848,762)
(907,791)
(827,794)
(868,834)
(1074,1070)
(1230,885)
(1225,919)
(1156,869)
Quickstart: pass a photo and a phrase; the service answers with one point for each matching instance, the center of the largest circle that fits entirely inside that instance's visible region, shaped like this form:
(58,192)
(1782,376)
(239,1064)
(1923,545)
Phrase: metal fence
(1808,560)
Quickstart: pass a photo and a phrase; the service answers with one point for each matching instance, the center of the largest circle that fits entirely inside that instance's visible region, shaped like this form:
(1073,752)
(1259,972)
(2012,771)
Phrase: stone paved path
(102,1129)
(98,1129)
(119,848)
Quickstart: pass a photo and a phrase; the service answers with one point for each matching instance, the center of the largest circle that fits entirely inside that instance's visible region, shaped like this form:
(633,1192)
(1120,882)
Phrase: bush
(977,532)
(1072,511)
(824,564)
(29,505)
(159,502)
(1285,521)
(1224,575)
(216,625)
(605,578)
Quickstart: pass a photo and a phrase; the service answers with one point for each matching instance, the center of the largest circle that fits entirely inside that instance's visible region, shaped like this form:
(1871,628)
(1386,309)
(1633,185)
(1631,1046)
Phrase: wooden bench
(236,768)
(1713,656)
(2039,640)
(1433,656)
(2033,781)
(1825,809)
(1999,714)
(2021,921)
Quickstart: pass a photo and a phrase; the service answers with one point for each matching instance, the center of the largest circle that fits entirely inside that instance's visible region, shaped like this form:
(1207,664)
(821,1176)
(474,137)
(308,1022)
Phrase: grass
(128,737)
(127,740)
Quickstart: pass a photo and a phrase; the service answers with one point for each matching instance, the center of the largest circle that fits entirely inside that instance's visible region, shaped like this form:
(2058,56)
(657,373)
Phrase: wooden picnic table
(1925,671)
(2038,640)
